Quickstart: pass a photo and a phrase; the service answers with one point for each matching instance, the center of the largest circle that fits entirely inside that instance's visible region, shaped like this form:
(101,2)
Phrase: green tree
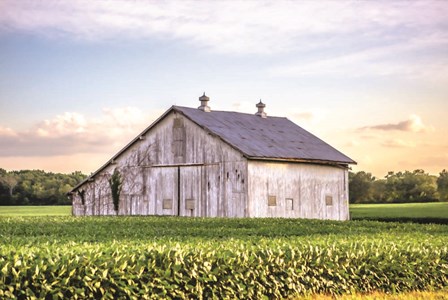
(36,187)
(10,180)
(379,191)
(416,186)
(360,187)
(5,198)
(442,185)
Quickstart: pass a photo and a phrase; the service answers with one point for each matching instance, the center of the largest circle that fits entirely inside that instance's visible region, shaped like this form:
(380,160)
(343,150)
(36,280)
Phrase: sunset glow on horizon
(80,79)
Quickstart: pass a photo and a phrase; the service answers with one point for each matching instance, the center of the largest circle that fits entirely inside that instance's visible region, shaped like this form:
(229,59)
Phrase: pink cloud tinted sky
(79,79)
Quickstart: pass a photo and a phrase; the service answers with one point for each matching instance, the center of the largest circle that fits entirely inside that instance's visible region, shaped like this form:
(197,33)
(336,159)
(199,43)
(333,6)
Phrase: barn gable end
(174,168)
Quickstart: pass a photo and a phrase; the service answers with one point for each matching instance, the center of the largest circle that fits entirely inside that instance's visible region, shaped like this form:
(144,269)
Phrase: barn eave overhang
(344,164)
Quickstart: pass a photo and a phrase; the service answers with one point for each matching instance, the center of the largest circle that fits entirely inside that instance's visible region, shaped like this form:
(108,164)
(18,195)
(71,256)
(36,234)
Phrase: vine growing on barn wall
(82,195)
(115,182)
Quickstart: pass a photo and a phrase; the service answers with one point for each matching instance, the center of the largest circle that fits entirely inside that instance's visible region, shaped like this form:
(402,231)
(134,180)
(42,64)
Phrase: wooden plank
(190,191)
(212,190)
(161,184)
(309,184)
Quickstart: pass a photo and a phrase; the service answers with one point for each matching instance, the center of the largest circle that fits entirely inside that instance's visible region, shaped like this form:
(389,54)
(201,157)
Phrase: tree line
(400,187)
(37,187)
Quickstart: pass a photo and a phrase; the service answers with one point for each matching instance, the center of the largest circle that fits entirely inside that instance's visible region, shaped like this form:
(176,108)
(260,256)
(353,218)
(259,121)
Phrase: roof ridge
(228,111)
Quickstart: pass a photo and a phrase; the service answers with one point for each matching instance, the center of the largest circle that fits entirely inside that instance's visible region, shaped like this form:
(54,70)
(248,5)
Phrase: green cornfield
(202,258)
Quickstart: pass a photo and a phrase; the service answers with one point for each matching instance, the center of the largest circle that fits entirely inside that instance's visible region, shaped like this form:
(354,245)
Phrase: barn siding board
(306,184)
(191,187)
(212,189)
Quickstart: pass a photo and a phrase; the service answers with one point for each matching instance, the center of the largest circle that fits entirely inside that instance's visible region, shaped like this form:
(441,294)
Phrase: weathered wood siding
(297,190)
(177,168)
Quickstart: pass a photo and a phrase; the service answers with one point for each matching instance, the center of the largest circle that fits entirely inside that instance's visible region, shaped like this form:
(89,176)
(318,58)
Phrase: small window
(178,123)
(272,201)
(289,204)
(329,200)
(189,204)
(167,204)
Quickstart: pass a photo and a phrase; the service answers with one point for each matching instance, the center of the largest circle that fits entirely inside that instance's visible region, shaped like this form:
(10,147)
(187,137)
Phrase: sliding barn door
(162,191)
(190,191)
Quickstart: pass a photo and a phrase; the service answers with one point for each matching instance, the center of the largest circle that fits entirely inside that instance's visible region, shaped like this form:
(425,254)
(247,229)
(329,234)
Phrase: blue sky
(79,79)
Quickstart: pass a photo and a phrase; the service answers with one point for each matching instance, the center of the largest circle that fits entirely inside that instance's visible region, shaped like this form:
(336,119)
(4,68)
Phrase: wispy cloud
(6,131)
(413,124)
(352,143)
(384,59)
(71,133)
(308,116)
(262,27)
(397,143)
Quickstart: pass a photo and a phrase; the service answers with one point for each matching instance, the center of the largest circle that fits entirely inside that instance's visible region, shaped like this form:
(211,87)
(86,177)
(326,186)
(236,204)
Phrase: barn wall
(177,168)
(297,190)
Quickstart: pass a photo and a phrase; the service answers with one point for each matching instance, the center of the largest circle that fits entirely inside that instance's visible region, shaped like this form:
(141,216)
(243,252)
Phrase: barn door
(190,191)
(181,191)
(162,191)
(211,191)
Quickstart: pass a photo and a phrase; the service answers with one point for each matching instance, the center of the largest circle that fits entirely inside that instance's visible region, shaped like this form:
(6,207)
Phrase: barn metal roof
(265,138)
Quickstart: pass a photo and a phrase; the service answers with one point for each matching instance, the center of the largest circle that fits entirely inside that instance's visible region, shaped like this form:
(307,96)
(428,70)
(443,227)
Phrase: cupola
(204,103)
(260,105)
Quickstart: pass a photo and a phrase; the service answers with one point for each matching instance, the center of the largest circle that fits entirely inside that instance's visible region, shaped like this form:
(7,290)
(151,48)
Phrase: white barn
(205,163)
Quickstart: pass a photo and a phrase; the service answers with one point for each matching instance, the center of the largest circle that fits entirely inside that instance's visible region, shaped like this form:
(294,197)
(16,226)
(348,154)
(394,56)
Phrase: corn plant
(166,257)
